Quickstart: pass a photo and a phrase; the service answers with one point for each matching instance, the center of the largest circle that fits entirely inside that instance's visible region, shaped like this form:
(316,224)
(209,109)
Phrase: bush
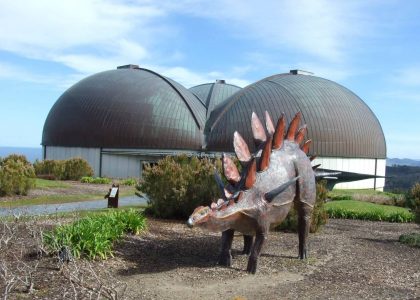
(129,181)
(175,186)
(94,236)
(412,239)
(70,169)
(351,209)
(95,180)
(49,169)
(16,175)
(415,196)
(76,168)
(319,214)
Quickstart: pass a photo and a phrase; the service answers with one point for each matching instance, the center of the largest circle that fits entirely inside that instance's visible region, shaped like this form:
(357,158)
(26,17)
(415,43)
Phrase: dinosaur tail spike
(305,147)
(250,176)
(230,170)
(312,157)
(293,127)
(316,167)
(273,194)
(264,161)
(269,124)
(300,135)
(258,130)
(241,148)
(279,133)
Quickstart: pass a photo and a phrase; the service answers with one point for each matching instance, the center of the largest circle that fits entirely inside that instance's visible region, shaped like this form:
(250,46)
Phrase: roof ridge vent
(300,72)
(221,81)
(130,66)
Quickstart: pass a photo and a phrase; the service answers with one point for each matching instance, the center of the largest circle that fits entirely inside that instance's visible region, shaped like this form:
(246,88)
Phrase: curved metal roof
(339,123)
(126,108)
(212,94)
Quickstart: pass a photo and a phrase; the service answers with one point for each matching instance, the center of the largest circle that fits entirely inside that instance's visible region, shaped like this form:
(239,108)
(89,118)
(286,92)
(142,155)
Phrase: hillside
(401,178)
(402,162)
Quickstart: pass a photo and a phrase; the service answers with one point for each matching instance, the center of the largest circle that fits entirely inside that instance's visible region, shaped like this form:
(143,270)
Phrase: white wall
(92,155)
(356,165)
(120,166)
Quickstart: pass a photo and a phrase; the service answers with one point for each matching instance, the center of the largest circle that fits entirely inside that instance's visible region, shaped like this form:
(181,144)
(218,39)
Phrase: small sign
(113,192)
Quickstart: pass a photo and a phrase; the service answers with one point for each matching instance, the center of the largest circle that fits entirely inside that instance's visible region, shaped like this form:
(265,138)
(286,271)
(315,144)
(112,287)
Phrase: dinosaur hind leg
(225,257)
(304,223)
(248,240)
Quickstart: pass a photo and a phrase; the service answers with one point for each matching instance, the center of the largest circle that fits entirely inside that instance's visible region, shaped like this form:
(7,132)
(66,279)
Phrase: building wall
(92,155)
(121,166)
(356,165)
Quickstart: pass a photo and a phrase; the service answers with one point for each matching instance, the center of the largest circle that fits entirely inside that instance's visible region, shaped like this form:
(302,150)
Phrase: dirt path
(348,260)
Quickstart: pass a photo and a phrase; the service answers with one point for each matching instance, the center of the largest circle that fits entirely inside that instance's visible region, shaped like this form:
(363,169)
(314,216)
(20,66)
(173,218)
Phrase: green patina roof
(212,94)
(126,108)
(339,122)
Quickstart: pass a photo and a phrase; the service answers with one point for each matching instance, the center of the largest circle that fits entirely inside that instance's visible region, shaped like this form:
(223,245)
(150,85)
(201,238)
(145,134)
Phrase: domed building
(212,94)
(120,119)
(346,134)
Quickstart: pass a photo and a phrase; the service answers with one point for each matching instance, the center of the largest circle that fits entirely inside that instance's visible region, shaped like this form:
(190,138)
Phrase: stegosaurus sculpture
(276,177)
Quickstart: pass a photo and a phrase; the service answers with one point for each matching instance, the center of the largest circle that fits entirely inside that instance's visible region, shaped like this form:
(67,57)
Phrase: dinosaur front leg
(225,258)
(248,240)
(256,250)
(304,224)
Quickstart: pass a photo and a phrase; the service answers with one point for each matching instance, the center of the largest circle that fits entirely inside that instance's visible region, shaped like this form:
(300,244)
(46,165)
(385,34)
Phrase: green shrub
(319,214)
(16,175)
(70,169)
(412,239)
(49,169)
(93,236)
(415,196)
(95,180)
(351,209)
(76,168)
(175,186)
(129,182)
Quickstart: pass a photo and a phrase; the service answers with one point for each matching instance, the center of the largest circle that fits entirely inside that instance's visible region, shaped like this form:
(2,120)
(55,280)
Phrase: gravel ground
(349,259)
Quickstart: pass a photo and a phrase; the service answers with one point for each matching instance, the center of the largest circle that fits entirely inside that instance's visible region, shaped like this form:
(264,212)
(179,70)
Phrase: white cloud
(189,78)
(10,71)
(123,51)
(321,28)
(39,28)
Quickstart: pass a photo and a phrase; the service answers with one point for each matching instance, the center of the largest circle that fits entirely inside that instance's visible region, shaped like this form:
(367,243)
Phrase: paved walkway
(45,209)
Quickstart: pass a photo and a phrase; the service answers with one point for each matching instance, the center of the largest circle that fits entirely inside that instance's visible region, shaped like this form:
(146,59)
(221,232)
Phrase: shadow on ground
(156,254)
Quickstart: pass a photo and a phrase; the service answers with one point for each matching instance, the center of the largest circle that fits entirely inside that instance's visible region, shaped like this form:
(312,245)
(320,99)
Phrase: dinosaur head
(214,218)
(200,215)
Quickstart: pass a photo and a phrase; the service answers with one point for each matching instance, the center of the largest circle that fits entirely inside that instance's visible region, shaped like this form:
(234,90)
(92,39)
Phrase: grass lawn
(369,195)
(352,209)
(43,183)
(57,199)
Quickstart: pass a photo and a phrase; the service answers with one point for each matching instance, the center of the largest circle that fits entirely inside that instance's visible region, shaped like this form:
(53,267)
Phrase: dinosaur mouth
(190,223)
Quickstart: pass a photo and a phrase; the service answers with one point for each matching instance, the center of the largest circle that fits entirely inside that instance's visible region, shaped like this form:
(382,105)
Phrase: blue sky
(370,47)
